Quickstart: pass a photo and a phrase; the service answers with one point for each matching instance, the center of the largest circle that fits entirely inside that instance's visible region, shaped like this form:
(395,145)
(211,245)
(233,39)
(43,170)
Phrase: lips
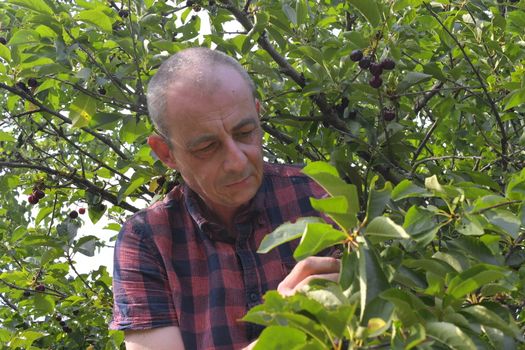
(239,182)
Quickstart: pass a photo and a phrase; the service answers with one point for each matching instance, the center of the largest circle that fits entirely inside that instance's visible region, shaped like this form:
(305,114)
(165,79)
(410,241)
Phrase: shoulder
(156,215)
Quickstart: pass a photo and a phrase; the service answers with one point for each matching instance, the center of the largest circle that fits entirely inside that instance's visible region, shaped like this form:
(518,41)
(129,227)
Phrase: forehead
(211,107)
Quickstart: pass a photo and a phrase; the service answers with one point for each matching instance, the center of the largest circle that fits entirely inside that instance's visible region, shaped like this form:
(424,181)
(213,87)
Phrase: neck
(225,214)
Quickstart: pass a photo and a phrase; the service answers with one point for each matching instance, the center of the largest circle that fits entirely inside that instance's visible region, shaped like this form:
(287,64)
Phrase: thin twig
(8,303)
(492,105)
(288,140)
(65,119)
(430,159)
(72,265)
(503,204)
(423,143)
(80,182)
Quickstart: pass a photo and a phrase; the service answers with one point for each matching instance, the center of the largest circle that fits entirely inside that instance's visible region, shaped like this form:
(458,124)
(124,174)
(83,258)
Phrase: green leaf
(499,340)
(469,226)
(42,213)
(95,212)
(515,22)
(25,339)
(382,229)
(327,176)
(514,98)
(335,205)
(406,306)
(25,37)
(349,269)
(505,220)
(421,225)
(301,10)
(5,335)
(280,337)
(377,199)
(314,168)
(356,39)
(6,137)
(5,53)
(86,245)
(82,110)
(372,281)
(35,5)
(436,266)
(487,201)
(128,188)
(133,129)
(474,247)
(67,229)
(369,9)
(406,189)
(411,79)
(313,53)
(316,237)
(474,278)
(486,317)
(325,292)
(18,233)
(285,233)
(516,187)
(450,335)
(97,18)
(290,13)
(44,303)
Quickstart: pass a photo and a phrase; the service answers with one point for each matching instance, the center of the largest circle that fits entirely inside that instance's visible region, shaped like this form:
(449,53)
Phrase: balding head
(193,67)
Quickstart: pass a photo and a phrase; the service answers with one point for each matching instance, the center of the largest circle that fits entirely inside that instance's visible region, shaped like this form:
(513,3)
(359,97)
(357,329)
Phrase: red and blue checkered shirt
(175,266)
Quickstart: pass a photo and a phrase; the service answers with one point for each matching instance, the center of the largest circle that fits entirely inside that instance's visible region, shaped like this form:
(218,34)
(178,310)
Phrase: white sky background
(104,256)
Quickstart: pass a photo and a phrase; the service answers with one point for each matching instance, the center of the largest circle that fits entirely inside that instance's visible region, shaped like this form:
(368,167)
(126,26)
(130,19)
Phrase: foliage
(446,257)
(448,276)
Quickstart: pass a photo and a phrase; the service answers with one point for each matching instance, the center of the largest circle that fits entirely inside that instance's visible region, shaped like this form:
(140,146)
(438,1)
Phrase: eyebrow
(212,137)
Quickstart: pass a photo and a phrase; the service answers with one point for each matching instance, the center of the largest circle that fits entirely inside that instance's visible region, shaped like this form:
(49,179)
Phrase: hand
(313,267)
(250,346)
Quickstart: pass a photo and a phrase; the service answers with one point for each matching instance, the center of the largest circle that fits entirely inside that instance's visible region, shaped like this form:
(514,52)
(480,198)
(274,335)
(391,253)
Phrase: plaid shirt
(175,267)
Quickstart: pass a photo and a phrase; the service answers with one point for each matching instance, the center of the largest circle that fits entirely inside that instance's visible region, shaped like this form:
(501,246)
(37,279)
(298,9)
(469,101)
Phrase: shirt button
(254,297)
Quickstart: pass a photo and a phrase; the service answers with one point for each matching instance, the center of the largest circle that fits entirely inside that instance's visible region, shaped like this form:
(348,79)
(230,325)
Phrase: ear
(162,150)
(258,106)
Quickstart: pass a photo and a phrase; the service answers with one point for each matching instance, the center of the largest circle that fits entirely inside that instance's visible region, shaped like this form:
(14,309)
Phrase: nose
(234,157)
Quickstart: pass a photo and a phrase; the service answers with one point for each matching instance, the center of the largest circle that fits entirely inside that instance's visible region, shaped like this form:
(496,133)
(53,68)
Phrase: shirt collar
(209,224)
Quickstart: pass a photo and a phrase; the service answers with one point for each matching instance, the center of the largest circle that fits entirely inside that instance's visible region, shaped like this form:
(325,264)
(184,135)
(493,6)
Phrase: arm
(165,338)
(313,267)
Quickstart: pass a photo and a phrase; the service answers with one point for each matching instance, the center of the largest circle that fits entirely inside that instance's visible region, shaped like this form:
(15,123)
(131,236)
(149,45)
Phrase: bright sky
(104,256)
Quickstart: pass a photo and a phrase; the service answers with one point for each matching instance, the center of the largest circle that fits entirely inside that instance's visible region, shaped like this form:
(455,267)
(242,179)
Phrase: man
(186,269)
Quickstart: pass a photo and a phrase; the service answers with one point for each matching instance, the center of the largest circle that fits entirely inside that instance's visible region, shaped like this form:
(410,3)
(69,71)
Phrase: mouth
(239,182)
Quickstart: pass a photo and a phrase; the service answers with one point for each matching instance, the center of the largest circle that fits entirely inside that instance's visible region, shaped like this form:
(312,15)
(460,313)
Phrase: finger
(311,266)
(286,291)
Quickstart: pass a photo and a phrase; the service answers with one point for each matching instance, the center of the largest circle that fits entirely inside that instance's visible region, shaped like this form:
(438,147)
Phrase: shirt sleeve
(141,292)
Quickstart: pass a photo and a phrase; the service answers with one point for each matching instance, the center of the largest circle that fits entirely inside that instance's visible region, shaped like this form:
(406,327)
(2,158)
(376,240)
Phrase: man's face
(216,139)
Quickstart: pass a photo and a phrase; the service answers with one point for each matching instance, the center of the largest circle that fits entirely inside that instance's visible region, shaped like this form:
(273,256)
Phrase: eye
(245,133)
(206,148)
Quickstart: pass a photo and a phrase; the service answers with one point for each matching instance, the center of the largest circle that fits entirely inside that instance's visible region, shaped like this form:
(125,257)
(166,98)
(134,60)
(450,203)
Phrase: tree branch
(427,97)
(8,303)
(423,143)
(65,119)
(320,99)
(80,182)
(288,140)
(492,105)
(430,159)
